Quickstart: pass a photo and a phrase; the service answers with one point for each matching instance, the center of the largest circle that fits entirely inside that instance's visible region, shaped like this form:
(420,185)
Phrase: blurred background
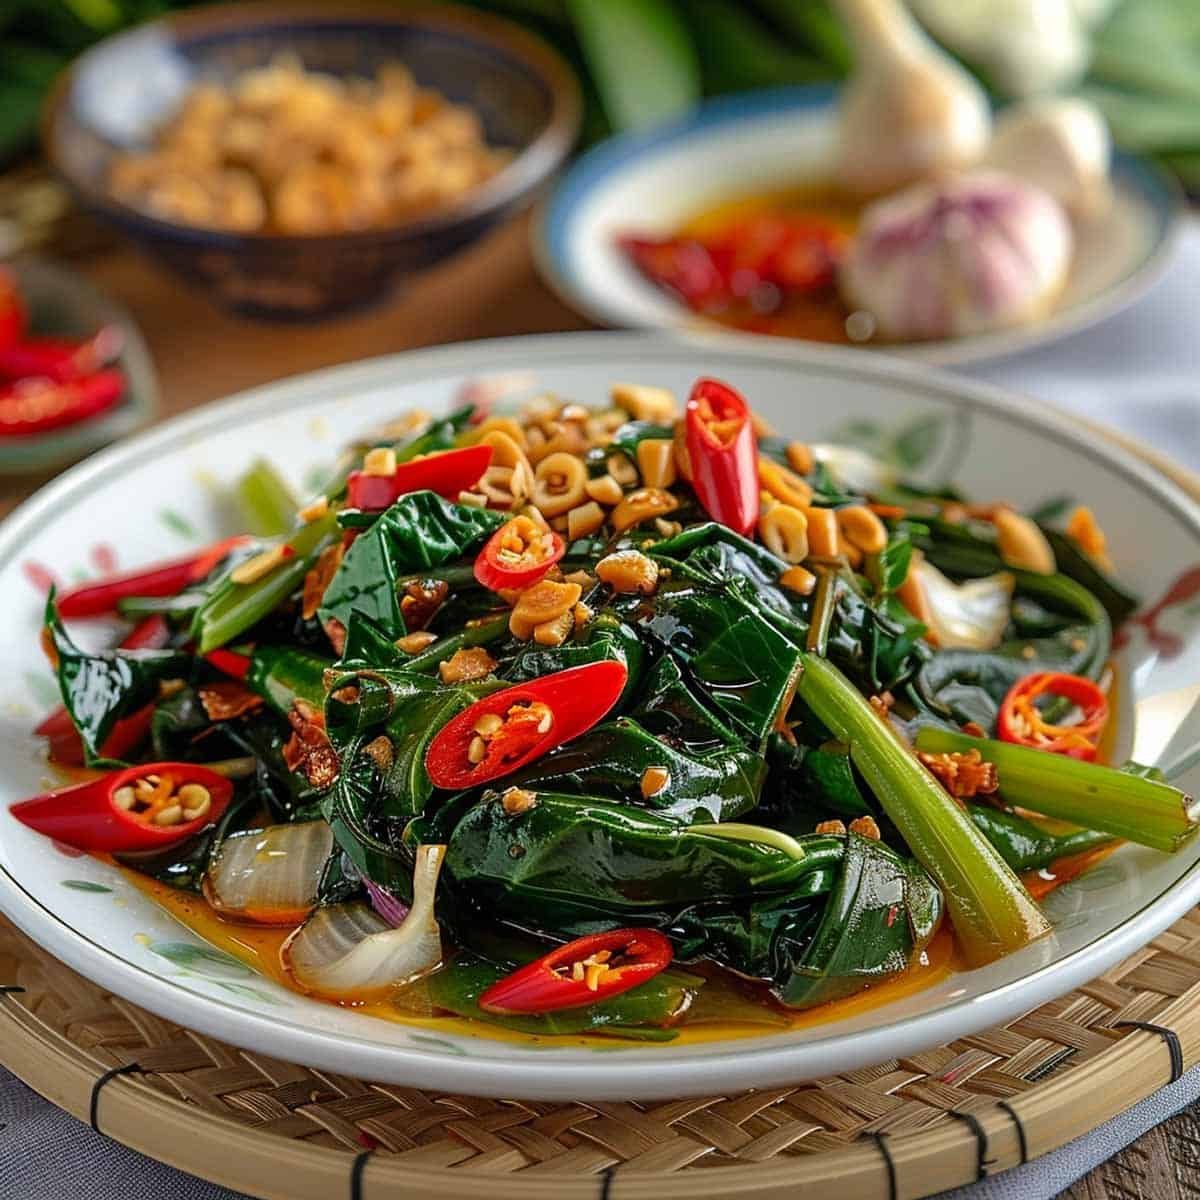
(206,292)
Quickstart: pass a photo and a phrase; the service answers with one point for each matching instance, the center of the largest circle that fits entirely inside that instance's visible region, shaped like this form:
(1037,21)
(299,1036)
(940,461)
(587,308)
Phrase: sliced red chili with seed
(508,729)
(581,973)
(1022,722)
(447,473)
(518,555)
(724,454)
(138,808)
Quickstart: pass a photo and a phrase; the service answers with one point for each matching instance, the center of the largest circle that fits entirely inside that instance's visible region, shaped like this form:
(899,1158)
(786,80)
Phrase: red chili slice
(61,359)
(13,317)
(230,662)
(137,808)
(1020,720)
(447,473)
(64,744)
(724,454)
(517,555)
(32,406)
(100,597)
(535,717)
(581,973)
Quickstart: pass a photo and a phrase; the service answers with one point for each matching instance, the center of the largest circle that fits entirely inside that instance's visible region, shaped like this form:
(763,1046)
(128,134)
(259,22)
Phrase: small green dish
(63,304)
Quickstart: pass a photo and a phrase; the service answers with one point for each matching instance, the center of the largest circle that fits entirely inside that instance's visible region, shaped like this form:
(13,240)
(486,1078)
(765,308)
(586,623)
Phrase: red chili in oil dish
(447,473)
(35,405)
(61,359)
(100,597)
(581,973)
(1021,721)
(13,317)
(724,454)
(137,808)
(517,555)
(508,729)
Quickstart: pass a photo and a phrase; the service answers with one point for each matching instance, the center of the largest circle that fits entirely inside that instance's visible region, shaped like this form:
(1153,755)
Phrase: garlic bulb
(969,255)
(908,111)
(1022,46)
(1060,144)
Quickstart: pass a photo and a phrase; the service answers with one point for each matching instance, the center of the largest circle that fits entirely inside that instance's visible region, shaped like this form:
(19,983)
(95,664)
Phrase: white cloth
(1137,371)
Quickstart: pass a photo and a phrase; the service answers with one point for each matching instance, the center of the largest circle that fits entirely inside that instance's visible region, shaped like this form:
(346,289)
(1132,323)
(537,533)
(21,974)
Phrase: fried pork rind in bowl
(296,161)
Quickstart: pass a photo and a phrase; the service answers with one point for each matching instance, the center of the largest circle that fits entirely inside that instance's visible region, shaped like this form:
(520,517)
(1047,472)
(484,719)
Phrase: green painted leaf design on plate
(177,523)
(85,885)
(206,961)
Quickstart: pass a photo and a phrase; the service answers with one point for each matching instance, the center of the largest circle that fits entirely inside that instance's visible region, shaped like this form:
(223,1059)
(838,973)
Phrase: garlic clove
(1024,47)
(964,256)
(908,111)
(1062,145)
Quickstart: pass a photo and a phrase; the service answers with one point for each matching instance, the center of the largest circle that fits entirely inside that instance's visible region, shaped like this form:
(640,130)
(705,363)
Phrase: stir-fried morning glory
(607,720)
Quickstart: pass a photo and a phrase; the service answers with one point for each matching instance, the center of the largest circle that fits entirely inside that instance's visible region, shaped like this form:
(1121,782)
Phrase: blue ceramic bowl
(116,95)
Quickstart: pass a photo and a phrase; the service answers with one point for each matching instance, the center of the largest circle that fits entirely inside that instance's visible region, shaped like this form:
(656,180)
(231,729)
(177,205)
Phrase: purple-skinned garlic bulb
(967,255)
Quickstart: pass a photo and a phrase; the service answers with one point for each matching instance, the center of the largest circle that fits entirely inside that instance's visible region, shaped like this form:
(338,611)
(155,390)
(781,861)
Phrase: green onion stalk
(267,504)
(1143,810)
(232,608)
(992,913)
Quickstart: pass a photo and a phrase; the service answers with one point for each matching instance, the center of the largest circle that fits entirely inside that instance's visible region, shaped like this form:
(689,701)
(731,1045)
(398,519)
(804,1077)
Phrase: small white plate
(158,494)
(764,141)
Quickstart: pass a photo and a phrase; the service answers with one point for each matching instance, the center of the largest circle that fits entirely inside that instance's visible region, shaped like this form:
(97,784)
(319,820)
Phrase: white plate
(762,141)
(155,496)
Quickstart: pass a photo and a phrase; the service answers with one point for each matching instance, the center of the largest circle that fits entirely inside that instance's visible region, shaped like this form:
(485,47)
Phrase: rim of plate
(766,1061)
(554,254)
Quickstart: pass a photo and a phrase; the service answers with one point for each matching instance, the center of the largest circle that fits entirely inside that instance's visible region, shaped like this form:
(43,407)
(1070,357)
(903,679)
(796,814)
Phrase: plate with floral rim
(162,492)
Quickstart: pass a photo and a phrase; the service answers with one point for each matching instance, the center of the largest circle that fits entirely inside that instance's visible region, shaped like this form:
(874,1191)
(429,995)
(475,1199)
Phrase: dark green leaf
(420,531)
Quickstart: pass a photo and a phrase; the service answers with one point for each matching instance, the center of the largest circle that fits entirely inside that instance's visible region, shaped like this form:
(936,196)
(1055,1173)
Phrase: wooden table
(491,290)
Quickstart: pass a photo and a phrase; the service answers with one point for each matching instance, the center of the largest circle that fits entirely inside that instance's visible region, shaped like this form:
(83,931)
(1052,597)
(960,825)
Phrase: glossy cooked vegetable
(666,683)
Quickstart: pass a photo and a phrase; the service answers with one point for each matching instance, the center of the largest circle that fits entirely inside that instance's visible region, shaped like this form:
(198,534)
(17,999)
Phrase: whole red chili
(581,973)
(724,454)
(32,406)
(508,729)
(517,555)
(447,473)
(1021,721)
(61,359)
(137,808)
(100,597)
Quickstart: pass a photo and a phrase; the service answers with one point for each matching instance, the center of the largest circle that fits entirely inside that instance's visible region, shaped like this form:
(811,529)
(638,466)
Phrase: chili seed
(593,973)
(489,724)
(543,726)
(171,815)
(476,750)
(124,798)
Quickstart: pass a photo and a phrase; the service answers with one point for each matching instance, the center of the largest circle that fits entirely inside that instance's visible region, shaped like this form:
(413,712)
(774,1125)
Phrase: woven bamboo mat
(286,1132)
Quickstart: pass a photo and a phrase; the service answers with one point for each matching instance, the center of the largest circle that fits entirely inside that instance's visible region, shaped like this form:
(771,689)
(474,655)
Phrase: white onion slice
(349,952)
(854,469)
(269,876)
(971,615)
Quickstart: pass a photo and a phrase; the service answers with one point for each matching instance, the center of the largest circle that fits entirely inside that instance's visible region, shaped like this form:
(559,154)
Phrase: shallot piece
(967,256)
(908,110)
(1060,144)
